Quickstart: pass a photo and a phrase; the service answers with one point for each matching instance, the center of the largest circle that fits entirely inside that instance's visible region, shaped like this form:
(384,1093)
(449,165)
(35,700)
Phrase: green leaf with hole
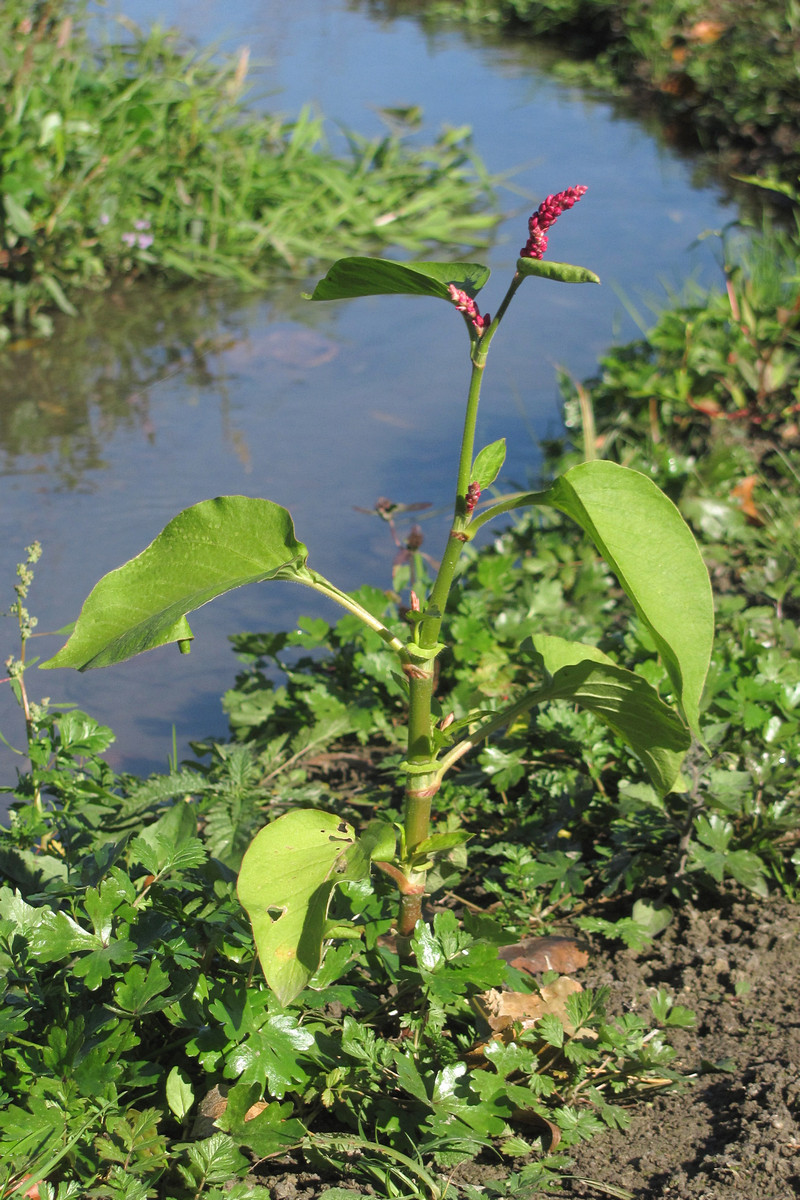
(350,277)
(286,882)
(202,553)
(561,272)
(623,700)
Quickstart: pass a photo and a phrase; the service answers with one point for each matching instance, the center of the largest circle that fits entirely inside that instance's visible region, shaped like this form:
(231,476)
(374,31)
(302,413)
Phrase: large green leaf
(623,700)
(203,552)
(286,881)
(351,277)
(647,543)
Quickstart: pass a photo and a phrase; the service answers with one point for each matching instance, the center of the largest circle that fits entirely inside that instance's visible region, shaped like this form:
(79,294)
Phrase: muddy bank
(734,1133)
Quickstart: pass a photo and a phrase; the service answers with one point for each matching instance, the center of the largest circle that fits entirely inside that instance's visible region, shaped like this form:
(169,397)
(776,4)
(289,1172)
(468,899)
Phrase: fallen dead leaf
(743,492)
(31,1194)
(539,954)
(502,1010)
(551,1134)
(212,1105)
(706,31)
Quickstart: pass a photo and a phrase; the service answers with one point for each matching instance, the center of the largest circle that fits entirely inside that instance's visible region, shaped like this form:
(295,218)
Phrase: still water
(150,402)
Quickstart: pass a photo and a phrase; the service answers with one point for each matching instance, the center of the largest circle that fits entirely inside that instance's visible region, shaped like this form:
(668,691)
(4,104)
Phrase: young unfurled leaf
(561,272)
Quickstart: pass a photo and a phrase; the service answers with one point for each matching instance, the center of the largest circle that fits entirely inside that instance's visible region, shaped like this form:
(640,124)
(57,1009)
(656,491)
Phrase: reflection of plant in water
(69,395)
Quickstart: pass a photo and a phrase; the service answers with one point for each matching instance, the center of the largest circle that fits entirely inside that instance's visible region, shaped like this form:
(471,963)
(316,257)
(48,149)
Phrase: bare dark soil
(733,1132)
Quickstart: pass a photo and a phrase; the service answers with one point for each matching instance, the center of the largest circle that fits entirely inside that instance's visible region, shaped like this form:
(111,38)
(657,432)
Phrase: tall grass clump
(130,156)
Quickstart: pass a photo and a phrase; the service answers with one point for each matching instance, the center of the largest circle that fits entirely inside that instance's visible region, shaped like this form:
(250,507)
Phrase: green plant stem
(482,347)
(505,717)
(437,603)
(422,785)
(319,583)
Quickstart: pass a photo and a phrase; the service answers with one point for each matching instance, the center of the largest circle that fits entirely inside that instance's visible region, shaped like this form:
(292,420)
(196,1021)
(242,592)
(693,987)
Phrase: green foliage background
(122,154)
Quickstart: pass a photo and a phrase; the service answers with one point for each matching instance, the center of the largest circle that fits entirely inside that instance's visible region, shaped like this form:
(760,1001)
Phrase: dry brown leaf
(501,1010)
(743,492)
(551,1134)
(706,31)
(212,1105)
(504,1012)
(539,954)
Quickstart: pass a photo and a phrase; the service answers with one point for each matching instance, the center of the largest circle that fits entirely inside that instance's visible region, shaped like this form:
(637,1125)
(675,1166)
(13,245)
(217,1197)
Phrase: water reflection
(97,379)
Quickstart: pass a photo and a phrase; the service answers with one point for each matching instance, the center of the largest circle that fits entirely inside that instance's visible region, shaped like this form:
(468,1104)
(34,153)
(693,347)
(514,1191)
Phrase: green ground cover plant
(134,1002)
(125,155)
(723,73)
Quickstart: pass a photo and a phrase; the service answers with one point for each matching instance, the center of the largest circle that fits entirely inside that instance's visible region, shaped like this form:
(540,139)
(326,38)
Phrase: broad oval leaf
(561,272)
(623,700)
(649,546)
(349,277)
(179,1092)
(285,883)
(203,552)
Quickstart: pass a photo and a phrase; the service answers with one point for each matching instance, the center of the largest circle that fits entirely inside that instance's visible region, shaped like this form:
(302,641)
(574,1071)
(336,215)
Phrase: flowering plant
(295,863)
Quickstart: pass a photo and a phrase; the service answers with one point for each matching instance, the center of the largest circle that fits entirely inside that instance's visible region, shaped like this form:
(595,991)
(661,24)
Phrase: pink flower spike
(546,215)
(472,497)
(467,305)
(414,602)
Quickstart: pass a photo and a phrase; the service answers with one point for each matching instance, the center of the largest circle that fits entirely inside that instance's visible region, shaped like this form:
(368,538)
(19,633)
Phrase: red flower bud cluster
(546,215)
(467,305)
(473,496)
